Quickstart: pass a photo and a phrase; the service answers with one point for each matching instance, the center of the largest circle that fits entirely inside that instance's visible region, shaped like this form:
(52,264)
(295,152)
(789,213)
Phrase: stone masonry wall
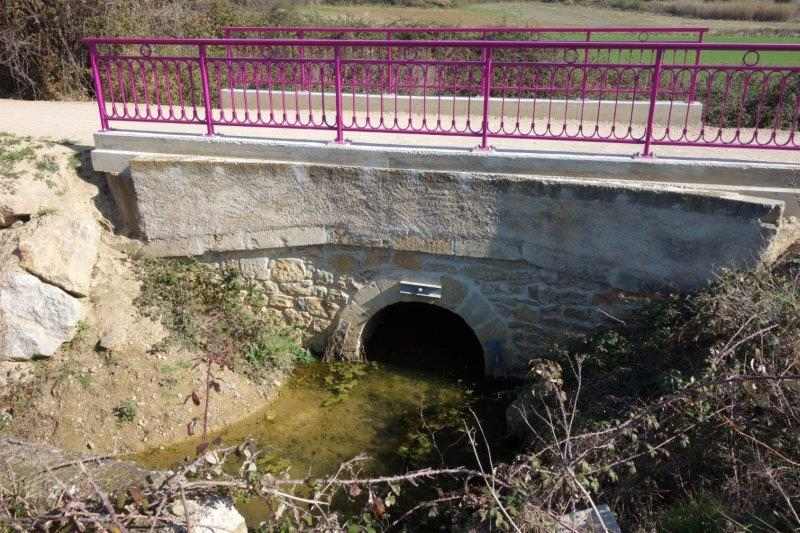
(515,309)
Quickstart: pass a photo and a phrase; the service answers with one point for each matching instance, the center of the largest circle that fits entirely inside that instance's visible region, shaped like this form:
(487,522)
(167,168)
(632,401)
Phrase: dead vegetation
(758,10)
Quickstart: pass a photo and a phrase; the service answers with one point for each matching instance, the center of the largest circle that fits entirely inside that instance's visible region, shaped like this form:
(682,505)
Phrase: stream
(325,414)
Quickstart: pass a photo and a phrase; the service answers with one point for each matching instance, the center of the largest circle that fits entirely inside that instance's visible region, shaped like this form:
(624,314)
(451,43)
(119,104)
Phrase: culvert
(425,337)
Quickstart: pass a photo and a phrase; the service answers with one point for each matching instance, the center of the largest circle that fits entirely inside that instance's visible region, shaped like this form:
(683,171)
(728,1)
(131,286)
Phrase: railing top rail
(469,29)
(355,43)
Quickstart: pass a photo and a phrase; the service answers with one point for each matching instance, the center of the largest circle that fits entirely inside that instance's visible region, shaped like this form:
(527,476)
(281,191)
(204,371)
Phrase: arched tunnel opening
(425,337)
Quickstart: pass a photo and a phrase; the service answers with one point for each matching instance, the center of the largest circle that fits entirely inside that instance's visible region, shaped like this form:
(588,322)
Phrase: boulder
(35,318)
(214,515)
(61,250)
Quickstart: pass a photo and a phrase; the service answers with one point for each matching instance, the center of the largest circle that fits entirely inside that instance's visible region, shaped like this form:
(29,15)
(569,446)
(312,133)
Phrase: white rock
(216,515)
(62,251)
(35,318)
(588,521)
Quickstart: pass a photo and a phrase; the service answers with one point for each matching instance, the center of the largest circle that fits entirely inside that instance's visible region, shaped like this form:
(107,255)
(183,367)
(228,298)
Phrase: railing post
(655,82)
(487,89)
(207,91)
(98,87)
(337,54)
(693,83)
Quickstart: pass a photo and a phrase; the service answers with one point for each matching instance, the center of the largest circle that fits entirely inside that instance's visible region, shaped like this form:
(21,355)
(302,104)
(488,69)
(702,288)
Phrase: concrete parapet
(779,181)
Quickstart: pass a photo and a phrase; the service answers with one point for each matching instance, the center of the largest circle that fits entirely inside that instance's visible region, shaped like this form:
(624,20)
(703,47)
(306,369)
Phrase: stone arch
(459,296)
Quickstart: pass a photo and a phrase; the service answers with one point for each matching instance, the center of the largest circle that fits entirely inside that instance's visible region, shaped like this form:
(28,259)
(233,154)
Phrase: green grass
(768,59)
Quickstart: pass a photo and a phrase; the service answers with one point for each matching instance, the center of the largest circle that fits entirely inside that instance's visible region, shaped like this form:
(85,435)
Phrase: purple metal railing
(550,33)
(614,92)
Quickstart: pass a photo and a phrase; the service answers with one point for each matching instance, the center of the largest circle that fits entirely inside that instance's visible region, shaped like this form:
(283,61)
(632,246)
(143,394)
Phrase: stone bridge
(527,250)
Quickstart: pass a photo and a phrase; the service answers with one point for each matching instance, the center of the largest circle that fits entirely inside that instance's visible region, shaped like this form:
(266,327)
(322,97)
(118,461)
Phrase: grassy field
(532,14)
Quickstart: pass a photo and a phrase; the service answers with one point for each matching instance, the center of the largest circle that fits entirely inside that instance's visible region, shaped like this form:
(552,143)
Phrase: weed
(47,163)
(698,514)
(45,211)
(80,337)
(5,419)
(125,412)
(277,350)
(203,306)
(173,368)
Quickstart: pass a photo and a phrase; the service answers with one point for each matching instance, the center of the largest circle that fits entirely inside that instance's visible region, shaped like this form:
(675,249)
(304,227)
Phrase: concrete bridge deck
(764,173)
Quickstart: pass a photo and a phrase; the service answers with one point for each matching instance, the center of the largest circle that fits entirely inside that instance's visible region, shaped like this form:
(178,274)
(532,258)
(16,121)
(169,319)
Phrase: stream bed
(328,413)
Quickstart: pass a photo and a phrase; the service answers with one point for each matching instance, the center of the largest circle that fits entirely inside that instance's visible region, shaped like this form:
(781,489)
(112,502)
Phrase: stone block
(299,288)
(323,277)
(287,270)
(255,267)
(296,318)
(281,301)
(312,306)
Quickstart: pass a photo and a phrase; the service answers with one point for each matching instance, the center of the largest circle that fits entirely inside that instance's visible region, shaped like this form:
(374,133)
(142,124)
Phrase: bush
(41,55)
(698,396)
(125,412)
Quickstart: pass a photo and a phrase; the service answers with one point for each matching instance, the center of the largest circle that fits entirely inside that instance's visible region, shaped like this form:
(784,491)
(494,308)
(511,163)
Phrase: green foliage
(125,412)
(697,514)
(278,350)
(204,307)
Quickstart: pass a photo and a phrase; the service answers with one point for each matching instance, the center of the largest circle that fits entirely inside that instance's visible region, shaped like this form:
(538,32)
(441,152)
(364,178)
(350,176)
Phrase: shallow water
(327,414)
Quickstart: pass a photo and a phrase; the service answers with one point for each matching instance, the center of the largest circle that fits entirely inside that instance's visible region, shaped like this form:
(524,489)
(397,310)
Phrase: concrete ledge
(656,237)
(115,149)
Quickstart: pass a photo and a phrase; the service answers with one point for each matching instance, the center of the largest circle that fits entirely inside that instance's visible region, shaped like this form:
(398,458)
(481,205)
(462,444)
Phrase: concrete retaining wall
(524,260)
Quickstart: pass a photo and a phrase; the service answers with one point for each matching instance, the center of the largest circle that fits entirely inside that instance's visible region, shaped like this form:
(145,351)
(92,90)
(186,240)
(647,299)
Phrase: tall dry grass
(763,11)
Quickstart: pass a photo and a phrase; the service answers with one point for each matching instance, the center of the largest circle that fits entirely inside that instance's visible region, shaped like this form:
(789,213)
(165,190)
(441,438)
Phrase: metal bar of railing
(337,51)
(203,59)
(693,82)
(98,87)
(655,83)
(498,30)
(360,43)
(486,92)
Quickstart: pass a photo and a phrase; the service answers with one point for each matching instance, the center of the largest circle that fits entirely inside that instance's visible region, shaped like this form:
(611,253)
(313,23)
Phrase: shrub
(698,396)
(41,55)
(125,412)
